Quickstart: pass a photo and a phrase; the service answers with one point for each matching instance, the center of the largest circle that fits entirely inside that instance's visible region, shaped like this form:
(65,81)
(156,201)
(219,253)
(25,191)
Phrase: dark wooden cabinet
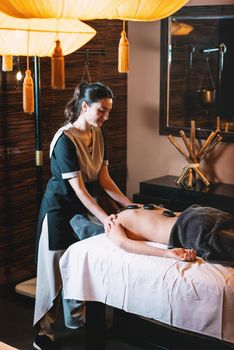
(165,191)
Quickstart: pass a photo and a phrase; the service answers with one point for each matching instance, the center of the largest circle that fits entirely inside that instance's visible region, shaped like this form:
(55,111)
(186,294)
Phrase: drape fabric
(37,36)
(137,10)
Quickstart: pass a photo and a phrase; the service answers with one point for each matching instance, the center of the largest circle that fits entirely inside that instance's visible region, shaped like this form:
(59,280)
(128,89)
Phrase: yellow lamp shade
(37,36)
(82,9)
(148,10)
(141,10)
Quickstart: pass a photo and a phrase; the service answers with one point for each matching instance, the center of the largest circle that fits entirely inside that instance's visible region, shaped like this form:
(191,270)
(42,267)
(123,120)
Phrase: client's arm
(118,236)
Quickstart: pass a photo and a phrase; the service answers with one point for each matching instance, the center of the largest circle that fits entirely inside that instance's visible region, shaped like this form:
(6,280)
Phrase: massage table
(188,296)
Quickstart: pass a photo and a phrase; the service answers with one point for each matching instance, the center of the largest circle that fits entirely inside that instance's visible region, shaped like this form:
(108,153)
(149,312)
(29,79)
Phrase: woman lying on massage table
(202,231)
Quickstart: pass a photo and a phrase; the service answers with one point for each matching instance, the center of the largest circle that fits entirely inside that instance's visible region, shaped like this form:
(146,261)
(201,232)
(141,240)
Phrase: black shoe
(42,342)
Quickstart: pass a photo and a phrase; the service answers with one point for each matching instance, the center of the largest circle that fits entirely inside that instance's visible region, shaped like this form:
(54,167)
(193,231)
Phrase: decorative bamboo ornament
(226,127)
(193,170)
(28,91)
(57,68)
(7,63)
(218,124)
(123,60)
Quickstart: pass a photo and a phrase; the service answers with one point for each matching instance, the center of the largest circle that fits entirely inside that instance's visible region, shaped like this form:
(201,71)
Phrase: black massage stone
(149,206)
(169,213)
(132,206)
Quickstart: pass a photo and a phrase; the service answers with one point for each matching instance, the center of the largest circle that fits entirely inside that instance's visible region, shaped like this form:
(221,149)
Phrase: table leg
(95,326)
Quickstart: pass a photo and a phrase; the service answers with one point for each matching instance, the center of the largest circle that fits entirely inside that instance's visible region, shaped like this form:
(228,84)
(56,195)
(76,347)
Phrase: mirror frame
(196,12)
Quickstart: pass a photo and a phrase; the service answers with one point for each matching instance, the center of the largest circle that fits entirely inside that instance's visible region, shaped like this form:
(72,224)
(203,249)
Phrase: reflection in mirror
(197,71)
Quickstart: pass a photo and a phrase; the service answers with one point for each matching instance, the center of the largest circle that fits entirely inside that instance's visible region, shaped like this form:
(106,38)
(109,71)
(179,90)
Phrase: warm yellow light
(7,63)
(82,9)
(37,36)
(19,75)
(180,28)
(148,10)
(140,10)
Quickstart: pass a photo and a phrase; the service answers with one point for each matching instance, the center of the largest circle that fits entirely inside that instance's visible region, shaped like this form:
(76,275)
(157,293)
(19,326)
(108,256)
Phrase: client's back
(147,225)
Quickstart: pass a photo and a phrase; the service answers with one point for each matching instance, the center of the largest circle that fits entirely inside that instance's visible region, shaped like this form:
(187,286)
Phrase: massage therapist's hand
(182,254)
(109,222)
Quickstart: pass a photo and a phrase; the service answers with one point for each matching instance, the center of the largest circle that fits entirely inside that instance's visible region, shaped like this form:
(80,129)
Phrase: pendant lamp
(42,37)
(82,9)
(37,36)
(141,10)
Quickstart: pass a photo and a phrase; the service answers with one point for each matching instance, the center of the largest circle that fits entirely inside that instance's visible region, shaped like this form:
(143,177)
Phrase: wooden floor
(16,315)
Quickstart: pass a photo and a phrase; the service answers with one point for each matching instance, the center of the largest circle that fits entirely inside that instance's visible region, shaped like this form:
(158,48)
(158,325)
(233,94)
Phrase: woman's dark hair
(88,92)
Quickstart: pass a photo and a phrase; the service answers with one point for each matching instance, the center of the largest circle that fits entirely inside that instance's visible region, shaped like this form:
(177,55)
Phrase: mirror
(197,71)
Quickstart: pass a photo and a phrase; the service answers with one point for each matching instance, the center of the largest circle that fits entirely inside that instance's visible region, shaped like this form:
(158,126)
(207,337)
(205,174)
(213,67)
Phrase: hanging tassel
(123,66)
(57,68)
(28,91)
(7,63)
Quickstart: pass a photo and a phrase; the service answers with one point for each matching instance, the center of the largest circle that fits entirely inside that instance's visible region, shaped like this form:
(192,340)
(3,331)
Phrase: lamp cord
(210,75)
(86,68)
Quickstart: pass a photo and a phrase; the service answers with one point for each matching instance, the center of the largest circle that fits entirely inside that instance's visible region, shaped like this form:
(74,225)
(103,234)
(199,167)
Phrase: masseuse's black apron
(69,156)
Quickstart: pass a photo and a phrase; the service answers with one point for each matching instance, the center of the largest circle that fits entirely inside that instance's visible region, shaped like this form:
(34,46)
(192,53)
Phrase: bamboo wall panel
(18,181)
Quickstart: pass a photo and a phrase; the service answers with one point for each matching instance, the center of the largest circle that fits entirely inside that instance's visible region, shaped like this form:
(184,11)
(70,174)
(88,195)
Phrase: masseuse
(78,162)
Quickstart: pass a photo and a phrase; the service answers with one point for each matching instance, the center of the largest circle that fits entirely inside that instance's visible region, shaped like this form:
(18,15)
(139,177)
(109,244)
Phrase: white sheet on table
(194,296)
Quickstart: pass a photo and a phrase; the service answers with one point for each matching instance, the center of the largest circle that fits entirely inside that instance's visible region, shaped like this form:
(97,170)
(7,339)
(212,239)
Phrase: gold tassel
(28,93)
(57,68)
(123,66)
(7,63)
